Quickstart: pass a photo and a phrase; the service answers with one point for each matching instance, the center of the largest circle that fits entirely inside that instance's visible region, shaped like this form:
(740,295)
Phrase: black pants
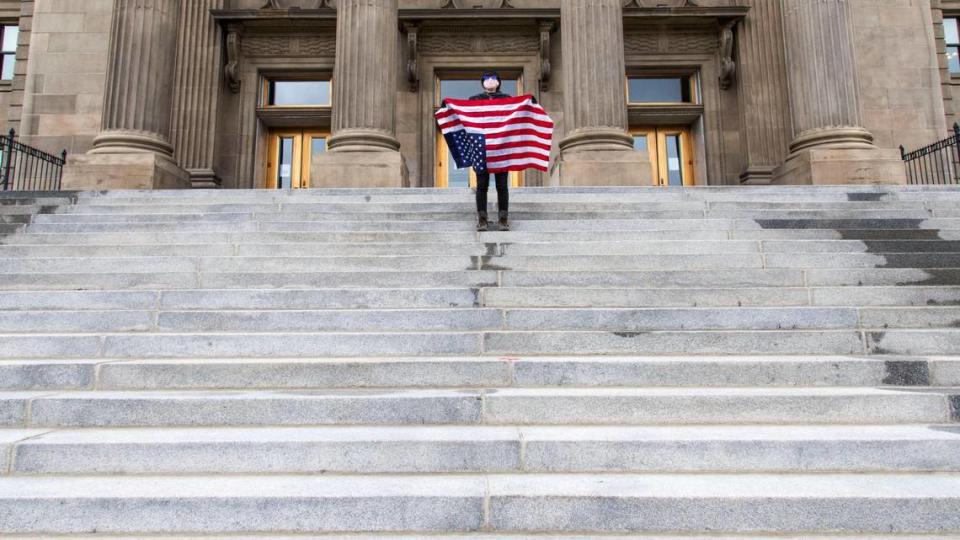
(503,196)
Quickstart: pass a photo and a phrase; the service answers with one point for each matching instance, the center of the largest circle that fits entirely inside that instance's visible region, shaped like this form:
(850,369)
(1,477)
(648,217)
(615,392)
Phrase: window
(297,93)
(654,90)
(464,88)
(951,34)
(9,41)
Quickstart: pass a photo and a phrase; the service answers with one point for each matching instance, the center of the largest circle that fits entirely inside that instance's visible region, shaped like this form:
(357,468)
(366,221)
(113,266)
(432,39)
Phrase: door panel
(671,154)
(290,154)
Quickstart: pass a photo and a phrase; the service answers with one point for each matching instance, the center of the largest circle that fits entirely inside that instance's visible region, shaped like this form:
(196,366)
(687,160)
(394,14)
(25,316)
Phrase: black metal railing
(24,168)
(938,163)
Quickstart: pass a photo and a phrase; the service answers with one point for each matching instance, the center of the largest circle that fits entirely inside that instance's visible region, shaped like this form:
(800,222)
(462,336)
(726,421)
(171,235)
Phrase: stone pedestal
(135,131)
(141,170)
(363,150)
(842,166)
(359,170)
(597,145)
(602,168)
(830,145)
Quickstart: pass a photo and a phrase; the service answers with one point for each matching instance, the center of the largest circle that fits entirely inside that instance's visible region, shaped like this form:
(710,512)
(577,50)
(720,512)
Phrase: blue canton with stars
(468,149)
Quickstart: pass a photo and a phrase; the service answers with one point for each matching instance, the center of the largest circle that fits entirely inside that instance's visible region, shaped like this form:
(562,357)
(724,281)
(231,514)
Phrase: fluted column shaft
(197,86)
(594,82)
(138,100)
(364,93)
(822,70)
(765,104)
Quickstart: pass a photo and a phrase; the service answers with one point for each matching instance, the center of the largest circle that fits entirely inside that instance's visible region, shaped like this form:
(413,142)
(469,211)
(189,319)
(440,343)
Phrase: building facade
(331,93)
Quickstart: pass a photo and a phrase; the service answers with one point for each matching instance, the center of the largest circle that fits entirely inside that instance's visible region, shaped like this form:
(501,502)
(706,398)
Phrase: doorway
(461,84)
(671,154)
(290,154)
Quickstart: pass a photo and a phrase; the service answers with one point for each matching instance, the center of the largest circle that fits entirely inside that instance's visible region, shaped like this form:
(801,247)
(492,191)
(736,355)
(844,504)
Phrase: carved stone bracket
(451,4)
(546,69)
(232,68)
(728,67)
(412,30)
(299,4)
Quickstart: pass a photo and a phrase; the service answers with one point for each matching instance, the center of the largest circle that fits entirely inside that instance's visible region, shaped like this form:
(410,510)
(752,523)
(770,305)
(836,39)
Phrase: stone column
(363,150)
(597,148)
(766,126)
(197,91)
(830,144)
(133,148)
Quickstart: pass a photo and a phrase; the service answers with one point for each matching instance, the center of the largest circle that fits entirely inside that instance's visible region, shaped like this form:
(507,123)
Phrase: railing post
(8,156)
(903,153)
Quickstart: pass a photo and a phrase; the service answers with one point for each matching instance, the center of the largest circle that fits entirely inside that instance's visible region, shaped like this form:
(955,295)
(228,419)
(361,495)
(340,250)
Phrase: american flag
(497,135)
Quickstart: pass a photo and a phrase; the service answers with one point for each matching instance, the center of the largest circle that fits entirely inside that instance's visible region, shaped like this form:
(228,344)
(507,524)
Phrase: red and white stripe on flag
(518,131)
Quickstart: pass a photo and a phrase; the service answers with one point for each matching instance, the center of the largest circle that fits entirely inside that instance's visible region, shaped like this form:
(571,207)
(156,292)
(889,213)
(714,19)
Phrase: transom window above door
(463,84)
(662,89)
(297,93)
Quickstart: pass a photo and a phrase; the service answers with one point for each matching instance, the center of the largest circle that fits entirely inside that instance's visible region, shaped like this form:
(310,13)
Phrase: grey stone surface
(330,320)
(638,320)
(643,297)
(433,449)
(287,345)
(320,298)
(309,373)
(794,371)
(47,374)
(662,406)
(20,346)
(240,504)
(200,408)
(673,342)
(755,503)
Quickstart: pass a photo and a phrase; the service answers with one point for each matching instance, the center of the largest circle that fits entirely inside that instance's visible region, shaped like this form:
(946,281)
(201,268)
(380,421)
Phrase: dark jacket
(484,95)
(495,95)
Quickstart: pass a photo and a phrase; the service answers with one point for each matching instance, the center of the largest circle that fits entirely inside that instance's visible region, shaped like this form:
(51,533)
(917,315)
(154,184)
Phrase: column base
(204,179)
(385,169)
(840,166)
(602,168)
(759,175)
(144,170)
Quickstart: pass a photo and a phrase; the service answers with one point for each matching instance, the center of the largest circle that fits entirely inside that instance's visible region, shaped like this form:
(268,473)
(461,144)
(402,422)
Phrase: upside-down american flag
(497,135)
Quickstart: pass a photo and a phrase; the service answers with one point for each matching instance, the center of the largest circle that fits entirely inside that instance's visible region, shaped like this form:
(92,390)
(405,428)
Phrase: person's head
(490,81)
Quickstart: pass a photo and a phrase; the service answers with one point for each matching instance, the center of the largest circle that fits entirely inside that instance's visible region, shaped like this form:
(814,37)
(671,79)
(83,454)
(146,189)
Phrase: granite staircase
(713,362)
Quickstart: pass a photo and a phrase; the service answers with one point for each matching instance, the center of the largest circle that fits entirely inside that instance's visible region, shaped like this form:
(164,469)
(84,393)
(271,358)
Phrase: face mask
(490,84)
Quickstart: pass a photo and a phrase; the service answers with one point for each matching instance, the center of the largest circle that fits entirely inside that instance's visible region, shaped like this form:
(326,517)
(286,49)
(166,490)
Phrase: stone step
(501,406)
(241,299)
(668,280)
(472,247)
(414,262)
(745,277)
(466,205)
(511,536)
(85,279)
(523,297)
(531,503)
(486,449)
(539,214)
(478,372)
(466,224)
(302,345)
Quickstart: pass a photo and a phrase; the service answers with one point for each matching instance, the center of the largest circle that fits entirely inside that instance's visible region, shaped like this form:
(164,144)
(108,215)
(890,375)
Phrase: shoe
(482,223)
(504,222)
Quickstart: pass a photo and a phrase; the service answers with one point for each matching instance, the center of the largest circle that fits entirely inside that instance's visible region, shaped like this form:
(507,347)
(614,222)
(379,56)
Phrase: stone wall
(899,72)
(65,74)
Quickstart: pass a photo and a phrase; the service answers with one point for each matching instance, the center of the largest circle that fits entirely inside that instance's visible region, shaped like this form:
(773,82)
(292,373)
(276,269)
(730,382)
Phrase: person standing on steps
(491,90)
(498,134)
